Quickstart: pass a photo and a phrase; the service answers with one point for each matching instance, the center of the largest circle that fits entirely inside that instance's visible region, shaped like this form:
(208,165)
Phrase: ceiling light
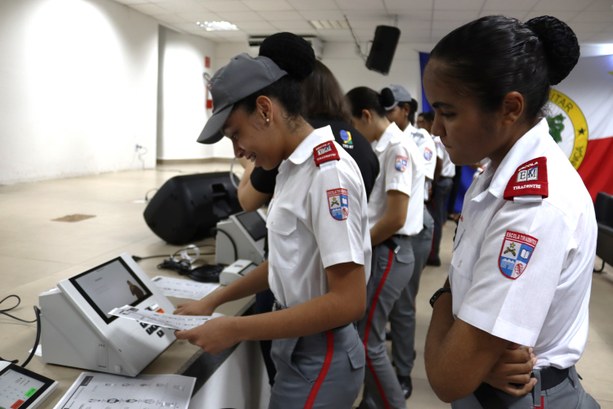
(329,24)
(217,25)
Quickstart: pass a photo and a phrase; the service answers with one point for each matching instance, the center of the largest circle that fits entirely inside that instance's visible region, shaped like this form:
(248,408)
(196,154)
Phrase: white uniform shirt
(317,219)
(401,168)
(427,147)
(447,166)
(522,268)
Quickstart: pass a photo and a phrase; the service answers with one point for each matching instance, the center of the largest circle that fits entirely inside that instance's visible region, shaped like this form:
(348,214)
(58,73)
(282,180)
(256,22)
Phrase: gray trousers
(402,317)
(438,209)
(569,394)
(390,274)
(324,370)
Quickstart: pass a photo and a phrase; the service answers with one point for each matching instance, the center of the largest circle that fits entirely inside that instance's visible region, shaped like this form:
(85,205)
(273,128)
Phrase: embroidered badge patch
(427,154)
(401,163)
(529,179)
(338,203)
(515,253)
(325,152)
(346,138)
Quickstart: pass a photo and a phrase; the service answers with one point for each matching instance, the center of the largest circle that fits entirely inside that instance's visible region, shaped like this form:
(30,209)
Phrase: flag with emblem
(579,117)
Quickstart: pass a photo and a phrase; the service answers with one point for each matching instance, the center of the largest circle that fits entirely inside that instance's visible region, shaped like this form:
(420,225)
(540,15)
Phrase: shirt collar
(529,144)
(305,149)
(391,134)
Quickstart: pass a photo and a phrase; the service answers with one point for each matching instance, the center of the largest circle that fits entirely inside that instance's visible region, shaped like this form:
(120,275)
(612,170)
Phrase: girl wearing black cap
(319,247)
(523,253)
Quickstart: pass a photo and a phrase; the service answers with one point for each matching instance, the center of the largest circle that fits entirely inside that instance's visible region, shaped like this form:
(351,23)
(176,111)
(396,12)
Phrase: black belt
(488,396)
(551,377)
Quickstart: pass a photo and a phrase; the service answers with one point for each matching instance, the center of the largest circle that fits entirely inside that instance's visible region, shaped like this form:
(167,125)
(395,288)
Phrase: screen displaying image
(110,285)
(253,223)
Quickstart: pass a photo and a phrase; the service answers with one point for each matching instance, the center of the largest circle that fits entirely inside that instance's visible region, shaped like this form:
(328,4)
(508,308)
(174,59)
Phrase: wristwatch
(437,294)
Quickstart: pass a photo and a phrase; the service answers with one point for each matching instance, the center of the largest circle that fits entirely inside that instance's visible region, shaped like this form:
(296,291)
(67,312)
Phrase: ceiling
(420,21)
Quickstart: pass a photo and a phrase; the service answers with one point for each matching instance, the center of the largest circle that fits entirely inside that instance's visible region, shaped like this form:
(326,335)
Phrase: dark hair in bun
(560,46)
(294,55)
(494,55)
(361,98)
(290,52)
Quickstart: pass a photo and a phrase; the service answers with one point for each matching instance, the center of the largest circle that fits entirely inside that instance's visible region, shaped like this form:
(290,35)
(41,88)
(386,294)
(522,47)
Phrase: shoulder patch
(338,203)
(515,253)
(530,179)
(401,163)
(346,139)
(325,152)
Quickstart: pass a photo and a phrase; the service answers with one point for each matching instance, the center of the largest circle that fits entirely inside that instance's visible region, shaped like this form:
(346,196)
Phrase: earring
(267,120)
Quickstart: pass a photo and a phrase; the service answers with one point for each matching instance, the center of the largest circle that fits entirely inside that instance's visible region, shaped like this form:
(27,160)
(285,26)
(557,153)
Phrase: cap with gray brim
(400,95)
(241,77)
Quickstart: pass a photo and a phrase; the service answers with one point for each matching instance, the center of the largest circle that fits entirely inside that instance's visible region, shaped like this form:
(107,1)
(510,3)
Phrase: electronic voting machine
(77,331)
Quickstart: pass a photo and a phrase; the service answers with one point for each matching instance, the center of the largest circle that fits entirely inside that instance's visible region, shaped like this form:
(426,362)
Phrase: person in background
(319,201)
(395,215)
(523,253)
(402,317)
(424,121)
(441,189)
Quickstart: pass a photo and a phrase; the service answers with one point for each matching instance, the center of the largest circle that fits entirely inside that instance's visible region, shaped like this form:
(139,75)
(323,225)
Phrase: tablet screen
(110,285)
(21,388)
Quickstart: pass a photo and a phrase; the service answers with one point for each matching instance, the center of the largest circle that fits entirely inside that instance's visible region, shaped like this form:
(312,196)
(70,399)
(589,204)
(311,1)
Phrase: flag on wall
(423,60)
(581,121)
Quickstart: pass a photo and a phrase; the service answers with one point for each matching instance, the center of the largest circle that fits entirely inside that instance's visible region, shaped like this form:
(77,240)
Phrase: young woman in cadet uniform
(319,245)
(395,214)
(524,249)
(402,317)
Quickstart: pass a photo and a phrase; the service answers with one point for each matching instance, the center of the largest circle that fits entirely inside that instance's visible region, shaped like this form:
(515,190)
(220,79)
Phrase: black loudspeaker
(187,207)
(383,49)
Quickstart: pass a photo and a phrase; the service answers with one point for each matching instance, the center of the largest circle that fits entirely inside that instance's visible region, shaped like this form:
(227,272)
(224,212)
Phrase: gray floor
(34,246)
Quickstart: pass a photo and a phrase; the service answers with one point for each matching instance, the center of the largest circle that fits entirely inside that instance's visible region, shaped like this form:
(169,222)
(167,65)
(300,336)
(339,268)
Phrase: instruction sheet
(93,390)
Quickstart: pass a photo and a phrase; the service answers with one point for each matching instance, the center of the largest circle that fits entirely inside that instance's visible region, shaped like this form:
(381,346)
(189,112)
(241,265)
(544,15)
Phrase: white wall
(182,97)
(85,81)
(77,88)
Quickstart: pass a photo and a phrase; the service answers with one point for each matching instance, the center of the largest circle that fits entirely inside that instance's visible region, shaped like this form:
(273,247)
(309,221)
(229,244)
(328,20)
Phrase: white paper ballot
(172,321)
(182,288)
(94,390)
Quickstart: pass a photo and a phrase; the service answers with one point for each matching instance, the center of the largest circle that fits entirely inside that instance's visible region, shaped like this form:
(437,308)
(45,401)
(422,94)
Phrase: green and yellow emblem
(567,126)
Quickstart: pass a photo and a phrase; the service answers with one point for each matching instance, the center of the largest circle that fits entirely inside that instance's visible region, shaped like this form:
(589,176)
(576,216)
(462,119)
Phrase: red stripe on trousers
(390,259)
(324,371)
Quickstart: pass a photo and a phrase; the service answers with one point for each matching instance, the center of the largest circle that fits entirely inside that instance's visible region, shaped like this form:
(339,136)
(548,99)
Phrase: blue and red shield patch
(338,203)
(401,163)
(515,253)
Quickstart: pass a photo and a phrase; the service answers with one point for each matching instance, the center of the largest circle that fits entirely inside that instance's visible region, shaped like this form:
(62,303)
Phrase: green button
(31,392)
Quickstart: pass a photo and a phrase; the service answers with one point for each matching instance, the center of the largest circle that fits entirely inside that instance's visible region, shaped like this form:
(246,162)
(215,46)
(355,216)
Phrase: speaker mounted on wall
(383,48)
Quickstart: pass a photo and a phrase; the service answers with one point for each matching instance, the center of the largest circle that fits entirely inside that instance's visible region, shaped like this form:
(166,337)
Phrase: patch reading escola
(73,218)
